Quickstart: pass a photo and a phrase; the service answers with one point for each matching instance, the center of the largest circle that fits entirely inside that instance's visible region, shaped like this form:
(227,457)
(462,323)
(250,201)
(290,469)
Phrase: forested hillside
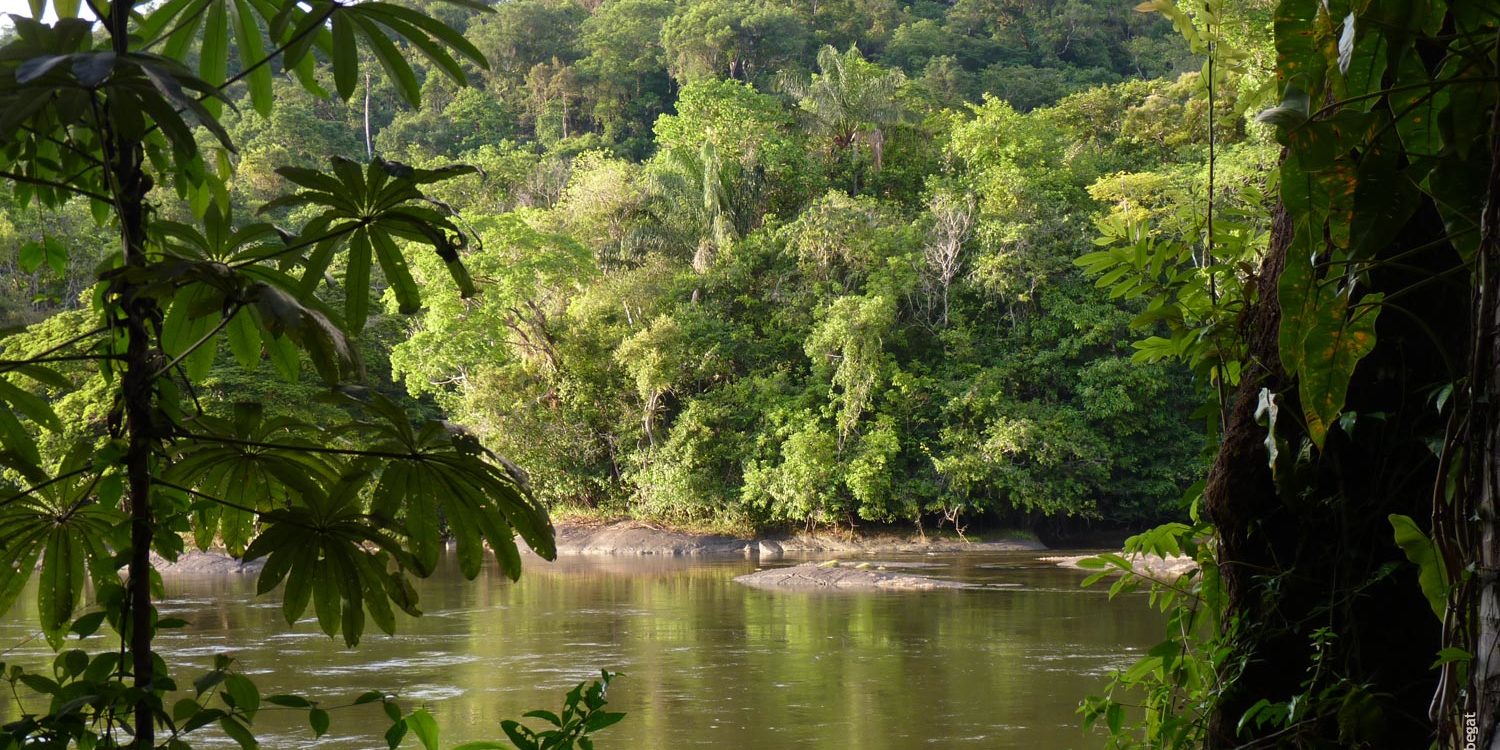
(755,264)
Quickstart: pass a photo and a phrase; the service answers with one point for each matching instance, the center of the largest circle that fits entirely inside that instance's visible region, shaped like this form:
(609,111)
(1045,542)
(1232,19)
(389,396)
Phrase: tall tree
(101,110)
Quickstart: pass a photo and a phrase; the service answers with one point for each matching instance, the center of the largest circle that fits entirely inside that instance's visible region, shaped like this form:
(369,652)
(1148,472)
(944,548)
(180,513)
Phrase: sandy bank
(640,538)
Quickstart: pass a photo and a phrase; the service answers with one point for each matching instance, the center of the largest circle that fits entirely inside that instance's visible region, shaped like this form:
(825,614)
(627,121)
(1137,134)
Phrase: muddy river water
(705,662)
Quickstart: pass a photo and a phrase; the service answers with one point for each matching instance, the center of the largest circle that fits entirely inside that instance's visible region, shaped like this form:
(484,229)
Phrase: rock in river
(835,576)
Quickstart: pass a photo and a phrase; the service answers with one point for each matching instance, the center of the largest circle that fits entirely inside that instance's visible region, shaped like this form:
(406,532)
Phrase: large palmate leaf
(63,524)
(376,23)
(236,475)
(315,531)
(331,555)
(366,210)
(438,472)
(173,26)
(18,449)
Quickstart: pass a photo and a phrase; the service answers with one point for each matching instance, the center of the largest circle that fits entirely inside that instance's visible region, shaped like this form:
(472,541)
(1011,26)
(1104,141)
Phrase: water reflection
(708,663)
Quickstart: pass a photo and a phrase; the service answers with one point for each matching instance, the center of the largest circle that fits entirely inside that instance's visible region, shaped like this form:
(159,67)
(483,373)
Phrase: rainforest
(381,302)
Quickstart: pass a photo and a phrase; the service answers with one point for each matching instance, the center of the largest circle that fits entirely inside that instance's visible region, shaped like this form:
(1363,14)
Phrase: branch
(12,364)
(57,185)
(206,496)
(43,485)
(300,245)
(298,448)
(9,366)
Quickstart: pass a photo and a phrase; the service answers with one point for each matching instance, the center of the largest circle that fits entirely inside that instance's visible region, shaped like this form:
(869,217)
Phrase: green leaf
(1332,348)
(238,732)
(392,60)
(190,318)
(248,41)
(213,52)
(61,584)
(317,718)
(30,405)
(282,352)
(244,339)
(49,250)
(422,725)
(602,719)
(1418,110)
(245,695)
(1422,553)
(357,280)
(299,584)
(395,734)
(184,709)
(326,600)
(345,55)
(397,274)
(1450,655)
(544,715)
(13,578)
(87,625)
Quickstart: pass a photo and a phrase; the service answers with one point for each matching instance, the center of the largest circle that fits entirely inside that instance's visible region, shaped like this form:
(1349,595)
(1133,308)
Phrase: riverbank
(642,538)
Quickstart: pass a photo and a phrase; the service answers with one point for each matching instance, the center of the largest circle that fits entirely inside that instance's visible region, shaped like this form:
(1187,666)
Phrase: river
(705,662)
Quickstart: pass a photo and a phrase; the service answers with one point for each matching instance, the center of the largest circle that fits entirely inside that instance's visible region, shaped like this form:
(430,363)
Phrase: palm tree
(851,101)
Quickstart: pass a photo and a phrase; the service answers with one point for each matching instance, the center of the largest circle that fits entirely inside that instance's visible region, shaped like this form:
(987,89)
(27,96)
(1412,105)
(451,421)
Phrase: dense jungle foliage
(748,264)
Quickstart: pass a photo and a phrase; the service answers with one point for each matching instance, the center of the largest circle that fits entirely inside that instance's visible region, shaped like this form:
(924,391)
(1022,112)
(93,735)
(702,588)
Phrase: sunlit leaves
(49,250)
(583,714)
(17,401)
(309,505)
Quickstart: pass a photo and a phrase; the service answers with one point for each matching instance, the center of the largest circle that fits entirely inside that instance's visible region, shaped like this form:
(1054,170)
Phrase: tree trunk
(129,187)
(1484,461)
(1318,588)
(1239,484)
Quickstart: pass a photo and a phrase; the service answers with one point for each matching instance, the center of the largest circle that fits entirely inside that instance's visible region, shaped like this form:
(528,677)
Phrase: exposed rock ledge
(212,562)
(832,575)
(1165,569)
(639,538)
